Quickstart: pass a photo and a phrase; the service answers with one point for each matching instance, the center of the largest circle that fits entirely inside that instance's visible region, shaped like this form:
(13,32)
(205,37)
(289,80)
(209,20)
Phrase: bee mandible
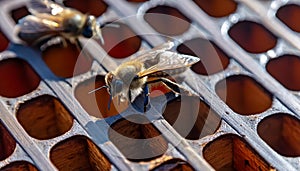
(49,19)
(131,78)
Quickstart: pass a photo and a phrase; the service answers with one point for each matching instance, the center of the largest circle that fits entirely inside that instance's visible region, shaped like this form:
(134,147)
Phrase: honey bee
(131,78)
(49,19)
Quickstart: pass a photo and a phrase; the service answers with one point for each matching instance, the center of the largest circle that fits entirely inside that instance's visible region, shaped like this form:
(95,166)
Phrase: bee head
(88,30)
(115,85)
(92,28)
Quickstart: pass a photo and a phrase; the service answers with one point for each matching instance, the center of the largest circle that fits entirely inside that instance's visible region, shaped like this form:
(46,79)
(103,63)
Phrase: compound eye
(87,32)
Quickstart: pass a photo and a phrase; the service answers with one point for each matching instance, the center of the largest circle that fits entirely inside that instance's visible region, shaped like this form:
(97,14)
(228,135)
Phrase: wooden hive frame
(236,131)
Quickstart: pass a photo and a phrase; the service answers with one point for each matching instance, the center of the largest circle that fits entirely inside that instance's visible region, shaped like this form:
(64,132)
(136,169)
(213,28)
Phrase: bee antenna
(105,86)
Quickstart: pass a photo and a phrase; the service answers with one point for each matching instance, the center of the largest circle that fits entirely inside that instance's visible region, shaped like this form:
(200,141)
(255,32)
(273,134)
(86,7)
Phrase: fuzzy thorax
(124,79)
(128,71)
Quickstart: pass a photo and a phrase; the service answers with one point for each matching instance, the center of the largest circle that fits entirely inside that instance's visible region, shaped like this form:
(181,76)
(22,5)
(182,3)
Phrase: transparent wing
(152,54)
(168,60)
(37,7)
(33,24)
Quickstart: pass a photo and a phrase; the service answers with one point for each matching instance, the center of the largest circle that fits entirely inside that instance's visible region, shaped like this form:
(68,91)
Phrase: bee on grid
(131,78)
(49,19)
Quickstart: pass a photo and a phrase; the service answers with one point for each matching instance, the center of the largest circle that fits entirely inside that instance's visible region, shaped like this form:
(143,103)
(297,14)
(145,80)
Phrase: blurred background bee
(49,20)
(131,78)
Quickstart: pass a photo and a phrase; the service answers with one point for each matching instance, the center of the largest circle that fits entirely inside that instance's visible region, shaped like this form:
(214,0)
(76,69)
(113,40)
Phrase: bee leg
(129,96)
(176,88)
(64,42)
(109,102)
(78,44)
(81,49)
(146,98)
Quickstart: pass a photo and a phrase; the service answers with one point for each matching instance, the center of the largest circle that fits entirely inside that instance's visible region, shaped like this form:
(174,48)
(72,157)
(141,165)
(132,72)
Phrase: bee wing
(152,54)
(33,24)
(166,61)
(37,7)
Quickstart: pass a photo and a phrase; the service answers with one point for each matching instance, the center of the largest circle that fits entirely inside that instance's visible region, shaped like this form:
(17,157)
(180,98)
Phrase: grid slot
(92,7)
(162,17)
(230,152)
(244,95)
(78,153)
(74,61)
(19,13)
(213,59)
(289,15)
(191,118)
(8,143)
(3,41)
(281,131)
(174,164)
(285,69)
(19,77)
(19,166)
(44,117)
(252,36)
(217,8)
(120,41)
(137,138)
